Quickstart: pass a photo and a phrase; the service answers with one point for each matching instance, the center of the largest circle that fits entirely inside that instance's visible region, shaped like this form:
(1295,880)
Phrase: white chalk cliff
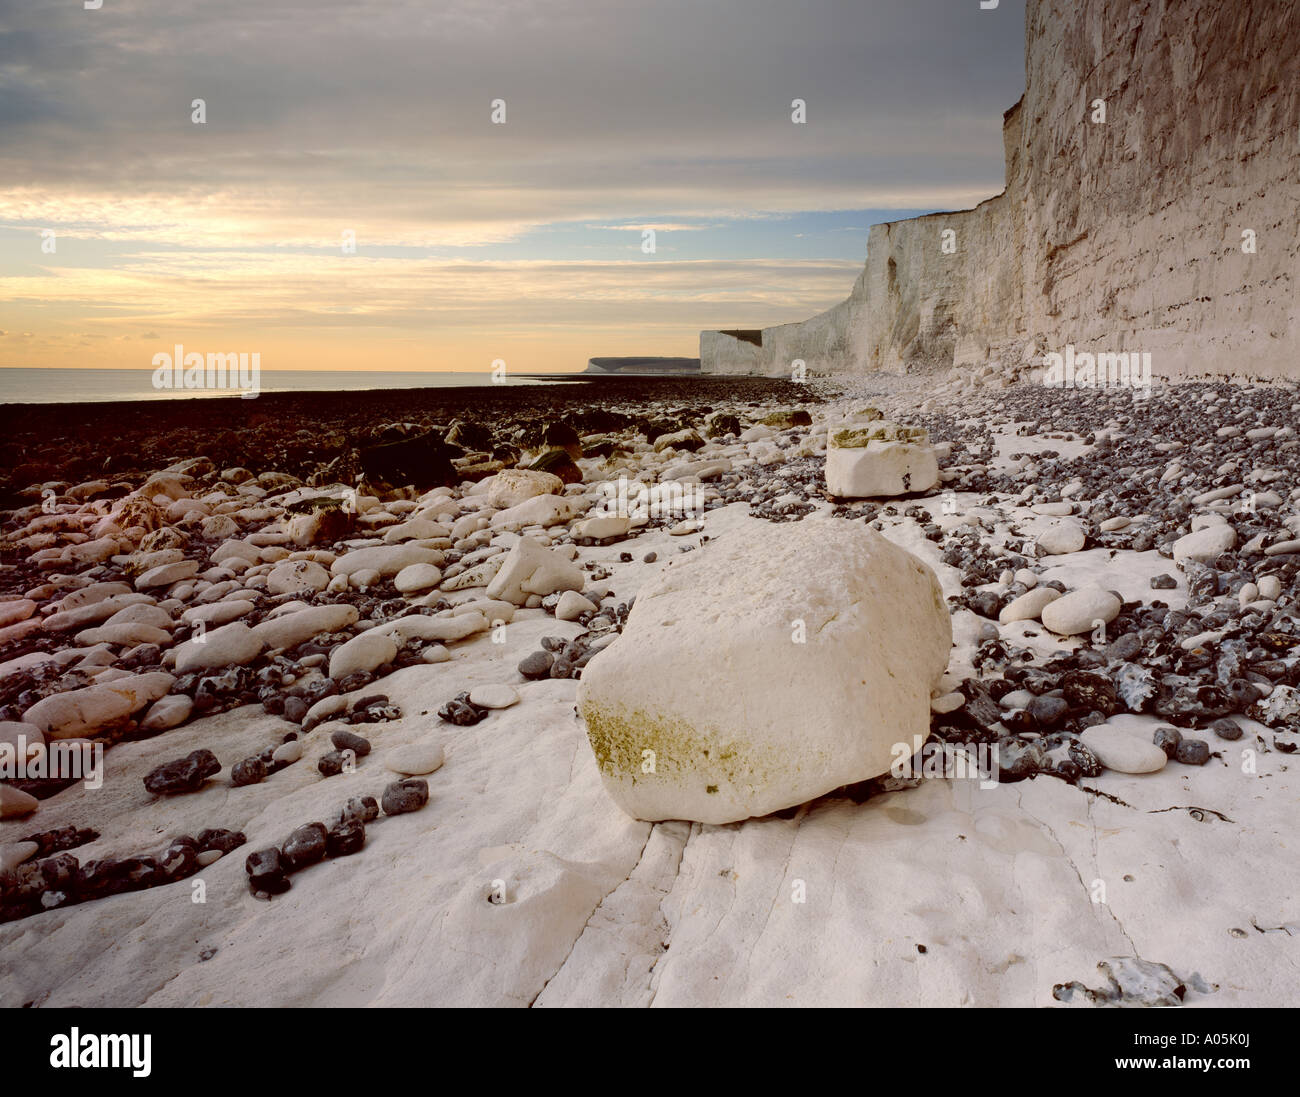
(1171,228)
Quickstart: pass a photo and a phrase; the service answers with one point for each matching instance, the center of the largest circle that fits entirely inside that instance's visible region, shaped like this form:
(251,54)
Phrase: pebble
(1226,729)
(1122,751)
(183,775)
(494,697)
(1192,752)
(1062,538)
(1028,606)
(363,809)
(1205,544)
(362,654)
(1077,612)
(345,740)
(266,872)
(536,664)
(1270,587)
(305,846)
(1167,739)
(345,838)
(461,712)
(573,605)
(415,760)
(16,853)
(250,771)
(405,796)
(287,753)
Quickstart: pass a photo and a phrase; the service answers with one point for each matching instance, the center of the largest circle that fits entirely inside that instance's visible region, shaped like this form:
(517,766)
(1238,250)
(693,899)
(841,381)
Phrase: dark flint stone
(1089,690)
(56,841)
(363,809)
(405,796)
(348,740)
(354,681)
(331,764)
(1046,710)
(183,775)
(1193,752)
(1167,739)
(346,838)
(1088,764)
(1226,729)
(180,859)
(1019,721)
(295,708)
(305,846)
(250,771)
(1163,582)
(460,712)
(1018,760)
(1069,770)
(266,872)
(1123,648)
(223,840)
(60,871)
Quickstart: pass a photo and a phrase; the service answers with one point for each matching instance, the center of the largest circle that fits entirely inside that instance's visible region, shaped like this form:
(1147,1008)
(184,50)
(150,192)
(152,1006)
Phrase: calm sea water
(65,386)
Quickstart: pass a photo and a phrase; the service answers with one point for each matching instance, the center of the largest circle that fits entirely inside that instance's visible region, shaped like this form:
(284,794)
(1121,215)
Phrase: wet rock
(183,775)
(266,872)
(345,838)
(305,846)
(222,841)
(250,771)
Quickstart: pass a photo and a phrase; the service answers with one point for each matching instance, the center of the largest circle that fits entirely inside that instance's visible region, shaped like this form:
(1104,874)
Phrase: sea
(19,385)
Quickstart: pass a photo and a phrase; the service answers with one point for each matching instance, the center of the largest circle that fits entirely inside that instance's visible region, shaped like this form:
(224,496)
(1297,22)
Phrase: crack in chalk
(1078,875)
(785,872)
(599,903)
(677,875)
(1194,811)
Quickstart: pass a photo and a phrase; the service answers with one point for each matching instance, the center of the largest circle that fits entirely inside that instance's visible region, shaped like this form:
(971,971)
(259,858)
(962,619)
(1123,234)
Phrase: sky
(127,227)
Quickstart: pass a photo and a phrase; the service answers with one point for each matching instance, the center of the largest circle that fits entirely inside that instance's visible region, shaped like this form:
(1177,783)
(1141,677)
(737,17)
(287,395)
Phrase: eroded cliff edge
(1123,235)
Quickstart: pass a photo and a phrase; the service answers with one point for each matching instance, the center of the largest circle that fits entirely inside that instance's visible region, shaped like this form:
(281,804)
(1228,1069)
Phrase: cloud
(374,116)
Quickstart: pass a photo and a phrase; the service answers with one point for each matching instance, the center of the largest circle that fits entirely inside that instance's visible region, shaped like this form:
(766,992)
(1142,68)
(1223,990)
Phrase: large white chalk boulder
(870,460)
(766,669)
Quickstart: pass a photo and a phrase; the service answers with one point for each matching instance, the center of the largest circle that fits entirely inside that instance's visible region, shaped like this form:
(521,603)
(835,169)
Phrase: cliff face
(1122,235)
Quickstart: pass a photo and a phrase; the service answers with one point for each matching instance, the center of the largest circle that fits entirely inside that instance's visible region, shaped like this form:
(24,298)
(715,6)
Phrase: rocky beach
(649,691)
